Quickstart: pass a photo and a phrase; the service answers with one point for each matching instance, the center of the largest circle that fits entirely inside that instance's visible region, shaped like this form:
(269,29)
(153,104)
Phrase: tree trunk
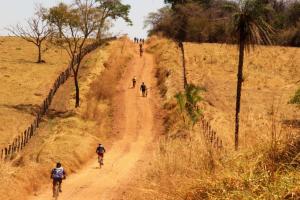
(77,99)
(239,88)
(181,46)
(39,54)
(60,32)
(99,33)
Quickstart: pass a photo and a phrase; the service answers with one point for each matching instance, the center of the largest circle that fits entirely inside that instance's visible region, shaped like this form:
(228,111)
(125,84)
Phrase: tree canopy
(207,20)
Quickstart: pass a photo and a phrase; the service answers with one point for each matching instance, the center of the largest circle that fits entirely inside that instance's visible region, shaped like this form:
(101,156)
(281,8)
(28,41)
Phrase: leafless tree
(35,31)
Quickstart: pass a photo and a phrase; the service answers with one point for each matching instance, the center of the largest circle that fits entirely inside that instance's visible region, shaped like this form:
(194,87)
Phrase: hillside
(186,166)
(271,79)
(24,84)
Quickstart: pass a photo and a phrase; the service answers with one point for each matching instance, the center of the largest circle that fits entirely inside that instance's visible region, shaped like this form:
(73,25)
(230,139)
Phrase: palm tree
(249,28)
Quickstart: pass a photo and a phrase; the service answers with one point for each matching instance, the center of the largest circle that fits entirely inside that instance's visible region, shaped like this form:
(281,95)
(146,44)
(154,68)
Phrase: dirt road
(134,121)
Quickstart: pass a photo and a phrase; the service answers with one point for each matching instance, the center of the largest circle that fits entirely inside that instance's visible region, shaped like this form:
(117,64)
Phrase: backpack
(58,172)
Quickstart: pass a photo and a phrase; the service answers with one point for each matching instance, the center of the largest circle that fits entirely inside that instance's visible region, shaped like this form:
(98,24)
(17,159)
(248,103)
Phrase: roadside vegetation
(208,20)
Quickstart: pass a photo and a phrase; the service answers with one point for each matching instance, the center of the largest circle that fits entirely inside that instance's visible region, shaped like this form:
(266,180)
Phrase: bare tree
(35,31)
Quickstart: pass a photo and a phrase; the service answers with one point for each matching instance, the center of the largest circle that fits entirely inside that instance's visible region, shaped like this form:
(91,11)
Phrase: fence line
(19,142)
(211,135)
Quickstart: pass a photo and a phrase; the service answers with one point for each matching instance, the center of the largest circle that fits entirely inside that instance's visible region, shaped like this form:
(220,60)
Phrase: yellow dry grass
(68,135)
(184,169)
(271,75)
(24,84)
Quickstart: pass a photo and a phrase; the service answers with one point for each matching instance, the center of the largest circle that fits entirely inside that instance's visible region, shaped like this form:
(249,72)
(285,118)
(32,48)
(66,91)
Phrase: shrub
(296,98)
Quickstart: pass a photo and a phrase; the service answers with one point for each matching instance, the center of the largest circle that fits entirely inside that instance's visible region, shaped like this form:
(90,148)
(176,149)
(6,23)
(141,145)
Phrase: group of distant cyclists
(141,43)
(139,40)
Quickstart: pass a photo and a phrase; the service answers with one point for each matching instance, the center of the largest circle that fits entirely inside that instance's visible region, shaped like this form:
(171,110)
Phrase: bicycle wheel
(100,161)
(56,191)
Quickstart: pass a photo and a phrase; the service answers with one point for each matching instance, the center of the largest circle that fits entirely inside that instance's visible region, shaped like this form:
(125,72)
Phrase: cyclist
(100,152)
(58,174)
(133,82)
(141,49)
(144,89)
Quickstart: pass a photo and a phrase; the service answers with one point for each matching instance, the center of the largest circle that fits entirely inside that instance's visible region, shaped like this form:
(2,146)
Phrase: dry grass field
(271,79)
(69,135)
(24,84)
(267,164)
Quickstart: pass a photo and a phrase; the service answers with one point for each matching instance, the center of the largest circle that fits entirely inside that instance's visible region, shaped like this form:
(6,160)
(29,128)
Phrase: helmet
(58,165)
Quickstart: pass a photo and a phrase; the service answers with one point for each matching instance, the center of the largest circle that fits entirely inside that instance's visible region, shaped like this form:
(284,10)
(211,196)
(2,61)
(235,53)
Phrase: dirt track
(133,120)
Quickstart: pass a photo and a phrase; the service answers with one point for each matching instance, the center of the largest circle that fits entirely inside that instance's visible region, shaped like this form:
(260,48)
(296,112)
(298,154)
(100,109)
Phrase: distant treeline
(209,20)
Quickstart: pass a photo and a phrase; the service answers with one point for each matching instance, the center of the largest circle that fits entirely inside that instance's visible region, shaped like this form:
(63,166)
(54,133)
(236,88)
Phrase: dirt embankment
(69,135)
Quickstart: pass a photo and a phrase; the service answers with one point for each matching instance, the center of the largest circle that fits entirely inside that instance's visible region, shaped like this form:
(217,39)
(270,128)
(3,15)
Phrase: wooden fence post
(19,144)
(15,145)
(28,135)
(44,110)
(6,152)
(9,150)
(31,130)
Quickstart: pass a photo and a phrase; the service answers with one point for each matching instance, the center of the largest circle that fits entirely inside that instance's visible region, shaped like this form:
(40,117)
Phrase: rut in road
(134,121)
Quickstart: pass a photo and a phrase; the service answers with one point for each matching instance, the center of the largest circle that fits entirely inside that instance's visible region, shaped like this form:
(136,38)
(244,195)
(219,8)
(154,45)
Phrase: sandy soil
(134,120)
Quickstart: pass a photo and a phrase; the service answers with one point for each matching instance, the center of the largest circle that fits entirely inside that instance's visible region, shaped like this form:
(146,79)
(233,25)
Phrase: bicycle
(145,93)
(56,190)
(100,161)
(141,53)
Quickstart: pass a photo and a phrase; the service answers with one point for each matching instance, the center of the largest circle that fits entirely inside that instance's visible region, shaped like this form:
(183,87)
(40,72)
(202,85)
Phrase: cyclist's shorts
(55,180)
(101,155)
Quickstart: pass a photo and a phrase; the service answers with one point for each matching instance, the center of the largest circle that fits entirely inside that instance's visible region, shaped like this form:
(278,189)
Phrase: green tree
(111,9)
(57,16)
(188,103)
(249,28)
(296,98)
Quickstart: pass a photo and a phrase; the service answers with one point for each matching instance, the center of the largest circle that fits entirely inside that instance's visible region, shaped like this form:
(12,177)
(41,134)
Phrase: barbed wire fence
(20,141)
(210,134)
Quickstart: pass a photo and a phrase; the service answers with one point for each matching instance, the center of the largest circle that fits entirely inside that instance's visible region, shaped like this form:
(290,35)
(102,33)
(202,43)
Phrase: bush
(296,98)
